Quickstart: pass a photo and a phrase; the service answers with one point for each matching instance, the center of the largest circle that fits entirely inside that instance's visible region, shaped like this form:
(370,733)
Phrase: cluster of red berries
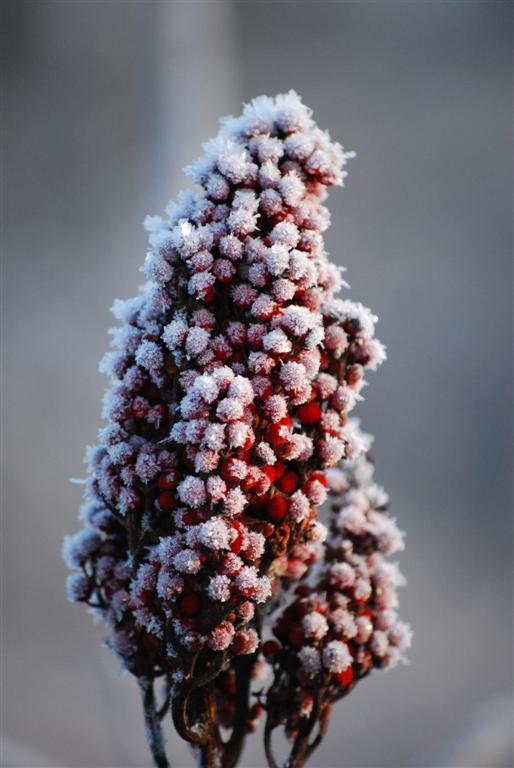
(335,631)
(233,374)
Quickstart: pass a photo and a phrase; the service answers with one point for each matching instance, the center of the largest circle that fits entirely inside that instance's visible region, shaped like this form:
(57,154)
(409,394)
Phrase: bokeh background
(104,104)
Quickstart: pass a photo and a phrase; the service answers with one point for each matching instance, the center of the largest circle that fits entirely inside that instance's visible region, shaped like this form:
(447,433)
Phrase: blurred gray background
(104,104)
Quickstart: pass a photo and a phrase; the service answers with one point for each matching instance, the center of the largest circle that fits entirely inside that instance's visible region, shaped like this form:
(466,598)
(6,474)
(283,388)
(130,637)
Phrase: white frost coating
(299,320)
(187,561)
(299,506)
(197,340)
(277,259)
(241,389)
(336,657)
(262,589)
(275,407)
(310,660)
(192,491)
(235,502)
(149,356)
(219,588)
(277,342)
(214,534)
(315,625)
(229,409)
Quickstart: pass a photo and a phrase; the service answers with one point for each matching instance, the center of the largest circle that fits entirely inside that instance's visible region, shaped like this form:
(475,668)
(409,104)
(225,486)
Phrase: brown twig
(268,747)
(301,743)
(153,725)
(234,746)
(180,701)
(163,709)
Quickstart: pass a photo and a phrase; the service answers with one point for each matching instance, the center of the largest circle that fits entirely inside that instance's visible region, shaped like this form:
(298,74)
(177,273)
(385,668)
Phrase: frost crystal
(214,534)
(315,625)
(310,661)
(336,656)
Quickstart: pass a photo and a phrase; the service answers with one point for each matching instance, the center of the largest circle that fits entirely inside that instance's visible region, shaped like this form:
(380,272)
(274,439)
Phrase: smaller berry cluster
(336,631)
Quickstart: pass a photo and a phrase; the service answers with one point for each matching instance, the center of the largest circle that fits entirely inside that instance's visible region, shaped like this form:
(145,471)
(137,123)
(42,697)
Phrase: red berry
(269,471)
(344,678)
(169,480)
(166,501)
(139,408)
(277,507)
(208,296)
(320,477)
(226,564)
(191,604)
(267,529)
(237,544)
(229,472)
(309,413)
(289,482)
(364,659)
(279,468)
(278,433)
(224,470)
(301,609)
(271,650)
(281,627)
(266,391)
(153,393)
(354,374)
(296,636)
(239,643)
(251,478)
(261,486)
(247,592)
(189,517)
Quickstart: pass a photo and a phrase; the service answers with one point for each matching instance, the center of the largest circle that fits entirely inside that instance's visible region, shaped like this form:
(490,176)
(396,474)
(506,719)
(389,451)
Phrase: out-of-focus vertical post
(198,78)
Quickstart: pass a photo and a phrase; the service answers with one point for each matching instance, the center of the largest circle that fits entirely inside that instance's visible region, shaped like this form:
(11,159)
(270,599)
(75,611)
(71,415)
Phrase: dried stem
(212,749)
(163,709)
(302,747)
(300,750)
(234,746)
(268,748)
(180,701)
(153,724)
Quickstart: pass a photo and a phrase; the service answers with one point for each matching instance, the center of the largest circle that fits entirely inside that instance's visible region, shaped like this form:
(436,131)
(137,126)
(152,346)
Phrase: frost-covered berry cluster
(233,374)
(346,623)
